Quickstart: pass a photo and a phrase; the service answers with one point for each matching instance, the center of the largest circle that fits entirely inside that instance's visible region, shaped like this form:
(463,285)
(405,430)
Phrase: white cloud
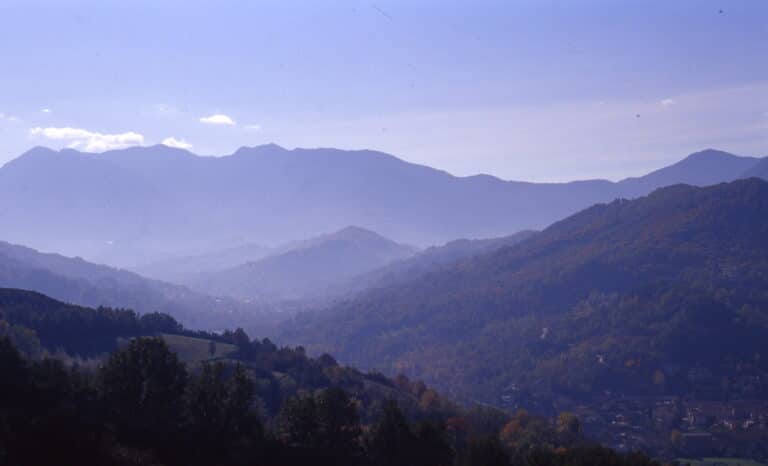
(218,119)
(88,140)
(177,143)
(46,110)
(667,102)
(254,127)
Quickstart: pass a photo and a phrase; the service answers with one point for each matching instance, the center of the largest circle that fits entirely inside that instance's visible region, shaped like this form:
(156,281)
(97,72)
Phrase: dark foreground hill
(663,295)
(248,403)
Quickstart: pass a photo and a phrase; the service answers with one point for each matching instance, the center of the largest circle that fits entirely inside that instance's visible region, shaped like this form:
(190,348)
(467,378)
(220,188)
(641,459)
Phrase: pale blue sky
(532,90)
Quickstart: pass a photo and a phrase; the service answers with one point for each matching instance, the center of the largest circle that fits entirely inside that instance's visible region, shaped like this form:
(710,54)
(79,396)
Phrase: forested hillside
(428,261)
(661,295)
(253,403)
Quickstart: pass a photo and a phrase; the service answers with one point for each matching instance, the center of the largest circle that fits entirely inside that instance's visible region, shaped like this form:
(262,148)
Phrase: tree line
(143,406)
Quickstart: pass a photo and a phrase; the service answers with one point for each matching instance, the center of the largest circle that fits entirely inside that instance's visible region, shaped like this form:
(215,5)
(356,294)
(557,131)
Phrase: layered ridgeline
(305,269)
(79,282)
(144,204)
(759,170)
(184,268)
(424,262)
(666,294)
(166,395)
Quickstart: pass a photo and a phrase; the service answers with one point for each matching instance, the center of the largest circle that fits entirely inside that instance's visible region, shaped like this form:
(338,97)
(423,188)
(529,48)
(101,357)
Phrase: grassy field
(719,462)
(194,350)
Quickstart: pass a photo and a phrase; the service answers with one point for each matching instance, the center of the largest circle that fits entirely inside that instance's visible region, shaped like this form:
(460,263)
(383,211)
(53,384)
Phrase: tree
(298,421)
(222,422)
(243,343)
(486,451)
(337,421)
(143,385)
(392,442)
(432,448)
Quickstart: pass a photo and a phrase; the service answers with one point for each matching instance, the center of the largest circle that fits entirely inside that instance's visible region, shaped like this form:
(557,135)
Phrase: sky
(527,90)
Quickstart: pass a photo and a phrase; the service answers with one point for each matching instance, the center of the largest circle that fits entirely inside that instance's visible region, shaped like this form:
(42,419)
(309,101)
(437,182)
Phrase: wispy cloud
(667,102)
(6,117)
(218,119)
(177,143)
(46,110)
(253,127)
(89,141)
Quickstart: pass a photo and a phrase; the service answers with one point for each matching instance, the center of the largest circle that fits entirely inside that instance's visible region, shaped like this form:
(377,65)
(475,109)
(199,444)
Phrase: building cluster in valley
(677,425)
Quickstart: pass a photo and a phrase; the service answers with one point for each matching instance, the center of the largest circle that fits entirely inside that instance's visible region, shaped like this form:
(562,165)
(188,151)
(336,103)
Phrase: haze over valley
(433,233)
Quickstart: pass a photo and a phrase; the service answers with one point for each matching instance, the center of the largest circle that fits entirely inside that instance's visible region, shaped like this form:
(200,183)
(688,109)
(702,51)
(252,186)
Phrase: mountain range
(144,205)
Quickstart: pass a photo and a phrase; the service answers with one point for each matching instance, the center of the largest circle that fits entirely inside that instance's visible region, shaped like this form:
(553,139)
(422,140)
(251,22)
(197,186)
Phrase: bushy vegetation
(138,403)
(142,406)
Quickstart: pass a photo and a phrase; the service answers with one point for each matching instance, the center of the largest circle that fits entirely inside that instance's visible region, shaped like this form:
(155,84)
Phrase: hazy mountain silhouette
(305,269)
(181,269)
(427,261)
(79,282)
(606,299)
(760,170)
(146,204)
(703,168)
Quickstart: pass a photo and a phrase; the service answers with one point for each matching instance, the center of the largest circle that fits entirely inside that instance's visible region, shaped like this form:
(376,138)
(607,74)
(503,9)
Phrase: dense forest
(659,296)
(127,398)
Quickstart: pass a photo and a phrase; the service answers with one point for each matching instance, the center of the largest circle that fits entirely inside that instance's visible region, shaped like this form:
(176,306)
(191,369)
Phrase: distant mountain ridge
(145,204)
(759,170)
(76,281)
(181,269)
(305,269)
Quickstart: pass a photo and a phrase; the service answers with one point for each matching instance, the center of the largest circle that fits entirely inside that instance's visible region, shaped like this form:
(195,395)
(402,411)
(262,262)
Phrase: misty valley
(628,321)
(383,233)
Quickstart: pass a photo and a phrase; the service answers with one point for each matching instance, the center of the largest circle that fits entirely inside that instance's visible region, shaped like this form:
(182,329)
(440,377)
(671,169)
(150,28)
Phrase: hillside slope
(633,297)
(182,269)
(79,282)
(760,170)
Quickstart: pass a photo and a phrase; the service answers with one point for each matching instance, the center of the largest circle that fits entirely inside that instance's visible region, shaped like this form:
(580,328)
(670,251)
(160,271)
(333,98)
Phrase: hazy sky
(532,90)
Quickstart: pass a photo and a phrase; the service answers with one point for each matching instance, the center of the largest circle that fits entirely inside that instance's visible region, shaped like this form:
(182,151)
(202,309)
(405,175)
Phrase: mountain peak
(263,149)
(353,231)
(38,151)
(710,154)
